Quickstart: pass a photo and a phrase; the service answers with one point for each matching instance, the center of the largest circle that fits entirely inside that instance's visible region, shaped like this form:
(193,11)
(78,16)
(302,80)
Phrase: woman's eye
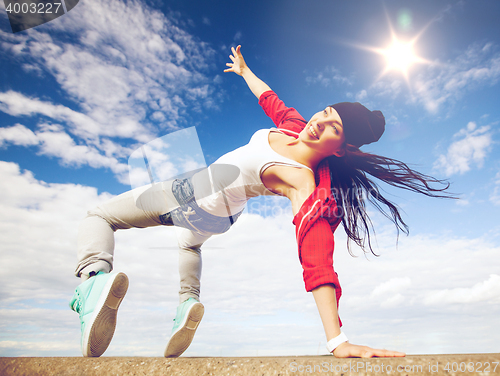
(325,113)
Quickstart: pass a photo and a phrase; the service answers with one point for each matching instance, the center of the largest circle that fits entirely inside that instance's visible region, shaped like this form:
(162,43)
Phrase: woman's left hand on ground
(349,350)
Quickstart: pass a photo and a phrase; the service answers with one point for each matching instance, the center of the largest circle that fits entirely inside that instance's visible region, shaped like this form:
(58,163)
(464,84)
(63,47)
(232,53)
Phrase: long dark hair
(350,185)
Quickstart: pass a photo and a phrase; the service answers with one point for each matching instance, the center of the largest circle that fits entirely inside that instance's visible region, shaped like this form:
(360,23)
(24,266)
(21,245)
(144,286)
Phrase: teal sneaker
(189,315)
(97,301)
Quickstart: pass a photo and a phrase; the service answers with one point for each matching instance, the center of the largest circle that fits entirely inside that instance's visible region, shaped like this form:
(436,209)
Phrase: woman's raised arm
(238,66)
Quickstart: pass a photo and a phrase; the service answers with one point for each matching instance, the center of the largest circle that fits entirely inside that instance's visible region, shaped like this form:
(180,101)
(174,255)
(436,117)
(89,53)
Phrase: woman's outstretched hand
(349,350)
(238,64)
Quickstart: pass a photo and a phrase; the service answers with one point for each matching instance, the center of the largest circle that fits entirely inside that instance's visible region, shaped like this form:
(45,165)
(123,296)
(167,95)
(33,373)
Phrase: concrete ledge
(469,364)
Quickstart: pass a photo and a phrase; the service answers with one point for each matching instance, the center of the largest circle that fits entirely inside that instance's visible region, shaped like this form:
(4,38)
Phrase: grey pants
(146,207)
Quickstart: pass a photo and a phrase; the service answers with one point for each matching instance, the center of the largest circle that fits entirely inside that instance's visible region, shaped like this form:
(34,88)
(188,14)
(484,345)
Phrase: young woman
(316,164)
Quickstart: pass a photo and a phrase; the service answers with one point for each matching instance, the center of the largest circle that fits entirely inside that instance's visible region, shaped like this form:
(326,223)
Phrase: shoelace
(77,305)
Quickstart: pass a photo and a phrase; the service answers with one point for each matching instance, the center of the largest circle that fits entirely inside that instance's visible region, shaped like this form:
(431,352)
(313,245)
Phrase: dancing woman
(317,165)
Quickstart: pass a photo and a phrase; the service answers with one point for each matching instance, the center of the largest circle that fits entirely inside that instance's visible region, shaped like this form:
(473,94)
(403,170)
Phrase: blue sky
(78,95)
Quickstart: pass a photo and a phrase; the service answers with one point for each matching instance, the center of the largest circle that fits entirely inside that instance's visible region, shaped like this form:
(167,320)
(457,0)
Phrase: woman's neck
(295,149)
(302,153)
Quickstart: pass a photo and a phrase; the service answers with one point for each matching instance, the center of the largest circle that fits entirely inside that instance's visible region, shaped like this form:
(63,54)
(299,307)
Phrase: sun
(400,56)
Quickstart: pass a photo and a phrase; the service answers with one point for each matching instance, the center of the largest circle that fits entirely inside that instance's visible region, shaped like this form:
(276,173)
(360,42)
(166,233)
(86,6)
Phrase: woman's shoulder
(263,133)
(278,139)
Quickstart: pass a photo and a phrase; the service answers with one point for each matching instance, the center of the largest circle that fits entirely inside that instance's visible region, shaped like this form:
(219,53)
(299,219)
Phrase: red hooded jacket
(319,216)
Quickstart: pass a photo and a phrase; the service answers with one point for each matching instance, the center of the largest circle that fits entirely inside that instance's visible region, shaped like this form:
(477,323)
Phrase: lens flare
(405,19)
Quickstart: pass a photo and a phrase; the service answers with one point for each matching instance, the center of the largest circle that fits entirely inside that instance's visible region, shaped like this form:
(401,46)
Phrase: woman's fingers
(237,61)
(236,53)
(346,350)
(370,353)
(396,353)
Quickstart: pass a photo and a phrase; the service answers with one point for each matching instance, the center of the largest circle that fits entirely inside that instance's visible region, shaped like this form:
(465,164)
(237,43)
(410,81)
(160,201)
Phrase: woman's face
(325,133)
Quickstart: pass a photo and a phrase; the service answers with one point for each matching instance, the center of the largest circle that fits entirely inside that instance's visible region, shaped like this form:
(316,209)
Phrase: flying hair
(350,185)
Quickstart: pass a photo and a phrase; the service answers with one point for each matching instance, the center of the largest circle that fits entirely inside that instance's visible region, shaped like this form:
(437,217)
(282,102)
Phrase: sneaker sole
(103,324)
(182,338)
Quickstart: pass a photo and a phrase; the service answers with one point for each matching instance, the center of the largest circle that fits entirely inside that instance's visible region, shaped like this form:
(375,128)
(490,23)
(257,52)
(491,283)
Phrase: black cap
(361,126)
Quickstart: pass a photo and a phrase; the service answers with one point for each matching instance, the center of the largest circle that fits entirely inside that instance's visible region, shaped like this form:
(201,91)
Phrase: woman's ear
(340,152)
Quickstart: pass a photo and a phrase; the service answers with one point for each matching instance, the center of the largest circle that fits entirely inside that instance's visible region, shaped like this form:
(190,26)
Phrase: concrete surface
(468,364)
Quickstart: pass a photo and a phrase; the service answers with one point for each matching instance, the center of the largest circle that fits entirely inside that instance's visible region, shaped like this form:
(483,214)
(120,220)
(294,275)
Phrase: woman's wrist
(332,344)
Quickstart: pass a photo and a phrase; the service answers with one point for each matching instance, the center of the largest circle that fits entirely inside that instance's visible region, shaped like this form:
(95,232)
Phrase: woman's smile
(313,132)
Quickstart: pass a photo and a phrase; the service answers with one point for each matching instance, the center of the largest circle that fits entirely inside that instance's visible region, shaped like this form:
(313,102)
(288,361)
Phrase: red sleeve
(285,118)
(316,257)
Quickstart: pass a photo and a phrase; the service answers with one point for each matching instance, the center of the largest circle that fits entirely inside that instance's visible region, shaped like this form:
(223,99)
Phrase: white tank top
(252,160)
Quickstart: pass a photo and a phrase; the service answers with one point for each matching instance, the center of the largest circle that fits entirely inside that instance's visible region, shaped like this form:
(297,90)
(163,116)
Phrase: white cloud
(471,147)
(405,278)
(389,293)
(37,233)
(17,135)
(361,95)
(445,83)
(252,284)
(39,256)
(392,286)
(495,195)
(130,72)
(57,143)
(439,84)
(486,291)
(52,141)
(390,88)
(327,77)
(17,104)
